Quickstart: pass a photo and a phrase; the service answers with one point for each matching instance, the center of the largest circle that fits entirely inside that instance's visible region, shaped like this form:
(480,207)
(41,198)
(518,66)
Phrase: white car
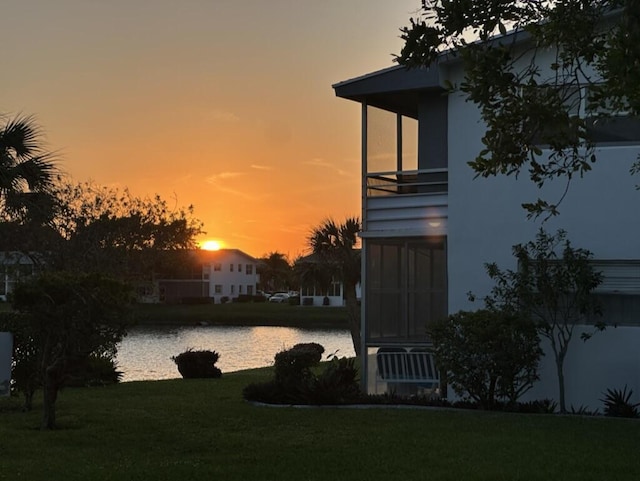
(279,297)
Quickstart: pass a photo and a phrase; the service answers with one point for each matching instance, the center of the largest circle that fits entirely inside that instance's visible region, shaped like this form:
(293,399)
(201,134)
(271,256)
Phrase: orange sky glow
(223,104)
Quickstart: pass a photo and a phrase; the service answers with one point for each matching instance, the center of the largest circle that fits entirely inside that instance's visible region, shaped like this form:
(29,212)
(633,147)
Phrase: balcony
(406,202)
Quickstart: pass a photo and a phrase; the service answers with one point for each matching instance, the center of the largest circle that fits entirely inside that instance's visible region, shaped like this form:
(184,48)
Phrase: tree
(336,248)
(523,102)
(27,172)
(275,272)
(553,285)
(310,271)
(487,354)
(113,232)
(66,318)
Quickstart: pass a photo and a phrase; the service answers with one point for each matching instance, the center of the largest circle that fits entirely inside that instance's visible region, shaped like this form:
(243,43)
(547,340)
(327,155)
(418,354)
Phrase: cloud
(223,117)
(321,163)
(212,179)
(261,167)
(220,183)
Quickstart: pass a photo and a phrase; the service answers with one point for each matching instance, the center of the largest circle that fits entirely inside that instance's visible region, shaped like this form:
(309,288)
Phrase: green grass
(203,430)
(262,313)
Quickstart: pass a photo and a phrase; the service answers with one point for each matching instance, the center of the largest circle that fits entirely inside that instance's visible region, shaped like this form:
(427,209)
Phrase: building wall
(236,282)
(486,219)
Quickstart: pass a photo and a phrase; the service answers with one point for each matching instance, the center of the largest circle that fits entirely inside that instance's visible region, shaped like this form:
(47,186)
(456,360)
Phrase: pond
(145,354)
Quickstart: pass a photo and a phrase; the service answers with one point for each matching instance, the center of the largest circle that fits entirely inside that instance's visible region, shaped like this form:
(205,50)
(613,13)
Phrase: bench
(407,365)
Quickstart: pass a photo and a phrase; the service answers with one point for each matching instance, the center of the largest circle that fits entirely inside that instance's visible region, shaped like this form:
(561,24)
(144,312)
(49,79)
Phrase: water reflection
(145,354)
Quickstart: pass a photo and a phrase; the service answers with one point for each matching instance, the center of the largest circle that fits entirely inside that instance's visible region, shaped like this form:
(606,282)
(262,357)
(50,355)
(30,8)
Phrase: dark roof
(398,89)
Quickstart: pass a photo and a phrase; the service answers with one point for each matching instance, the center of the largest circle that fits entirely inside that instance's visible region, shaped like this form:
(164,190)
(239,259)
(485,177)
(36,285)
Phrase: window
(217,266)
(250,290)
(217,289)
(406,287)
(249,269)
(619,292)
(335,288)
(233,289)
(239,267)
(618,128)
(240,289)
(231,267)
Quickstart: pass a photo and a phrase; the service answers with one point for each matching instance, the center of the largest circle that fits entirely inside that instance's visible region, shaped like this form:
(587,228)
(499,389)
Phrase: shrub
(617,403)
(307,301)
(259,298)
(487,354)
(336,384)
(96,370)
(197,364)
(293,366)
(196,300)
(294,300)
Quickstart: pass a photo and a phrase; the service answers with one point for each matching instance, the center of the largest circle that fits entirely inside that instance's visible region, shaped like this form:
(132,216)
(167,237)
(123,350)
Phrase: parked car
(279,297)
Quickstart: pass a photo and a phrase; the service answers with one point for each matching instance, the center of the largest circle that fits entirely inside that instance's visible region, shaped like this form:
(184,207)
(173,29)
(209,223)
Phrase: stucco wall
(601,213)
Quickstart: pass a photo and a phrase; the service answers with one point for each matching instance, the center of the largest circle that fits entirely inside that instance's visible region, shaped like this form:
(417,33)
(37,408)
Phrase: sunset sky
(223,104)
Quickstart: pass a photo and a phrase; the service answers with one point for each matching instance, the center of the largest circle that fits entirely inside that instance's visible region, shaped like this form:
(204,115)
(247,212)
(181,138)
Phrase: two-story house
(219,275)
(429,226)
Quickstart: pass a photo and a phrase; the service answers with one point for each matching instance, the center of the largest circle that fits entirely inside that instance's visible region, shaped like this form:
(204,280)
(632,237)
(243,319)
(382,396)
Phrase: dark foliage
(96,370)
(294,300)
(197,364)
(196,300)
(296,382)
(337,384)
(488,355)
(617,403)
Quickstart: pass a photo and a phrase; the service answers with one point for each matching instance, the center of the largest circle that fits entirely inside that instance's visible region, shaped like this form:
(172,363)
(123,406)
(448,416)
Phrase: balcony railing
(412,182)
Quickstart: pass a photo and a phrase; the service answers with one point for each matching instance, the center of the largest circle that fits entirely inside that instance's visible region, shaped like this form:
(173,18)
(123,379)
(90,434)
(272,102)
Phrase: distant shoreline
(240,314)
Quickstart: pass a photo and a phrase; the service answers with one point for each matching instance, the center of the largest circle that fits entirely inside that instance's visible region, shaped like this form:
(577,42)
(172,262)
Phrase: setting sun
(211,245)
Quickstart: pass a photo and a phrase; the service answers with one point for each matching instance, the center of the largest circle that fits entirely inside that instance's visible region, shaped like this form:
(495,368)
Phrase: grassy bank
(231,314)
(202,430)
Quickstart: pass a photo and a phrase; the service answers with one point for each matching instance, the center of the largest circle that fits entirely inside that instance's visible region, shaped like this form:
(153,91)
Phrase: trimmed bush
(487,355)
(296,382)
(197,364)
(293,366)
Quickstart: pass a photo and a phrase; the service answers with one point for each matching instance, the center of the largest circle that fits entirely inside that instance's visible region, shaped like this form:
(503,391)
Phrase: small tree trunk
(353,315)
(560,370)
(49,406)
(50,385)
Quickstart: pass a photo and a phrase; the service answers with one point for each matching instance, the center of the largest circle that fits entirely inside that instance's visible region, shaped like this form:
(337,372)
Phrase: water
(145,354)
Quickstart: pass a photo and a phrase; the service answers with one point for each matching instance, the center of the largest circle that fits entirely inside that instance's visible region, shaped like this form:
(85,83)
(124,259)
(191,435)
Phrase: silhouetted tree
(336,246)
(66,319)
(525,100)
(553,285)
(275,272)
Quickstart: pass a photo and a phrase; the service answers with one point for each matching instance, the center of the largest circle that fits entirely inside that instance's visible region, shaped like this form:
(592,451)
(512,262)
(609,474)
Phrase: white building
(220,275)
(429,226)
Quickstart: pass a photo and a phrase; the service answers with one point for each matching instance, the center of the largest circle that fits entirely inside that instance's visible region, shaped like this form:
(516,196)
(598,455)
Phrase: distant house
(218,275)
(13,267)
(429,226)
(314,291)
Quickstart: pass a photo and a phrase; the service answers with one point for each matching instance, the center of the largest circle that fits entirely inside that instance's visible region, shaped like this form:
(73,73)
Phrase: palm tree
(27,172)
(275,271)
(336,247)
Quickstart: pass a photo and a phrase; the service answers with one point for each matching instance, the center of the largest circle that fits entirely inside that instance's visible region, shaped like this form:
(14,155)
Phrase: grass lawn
(261,313)
(203,430)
